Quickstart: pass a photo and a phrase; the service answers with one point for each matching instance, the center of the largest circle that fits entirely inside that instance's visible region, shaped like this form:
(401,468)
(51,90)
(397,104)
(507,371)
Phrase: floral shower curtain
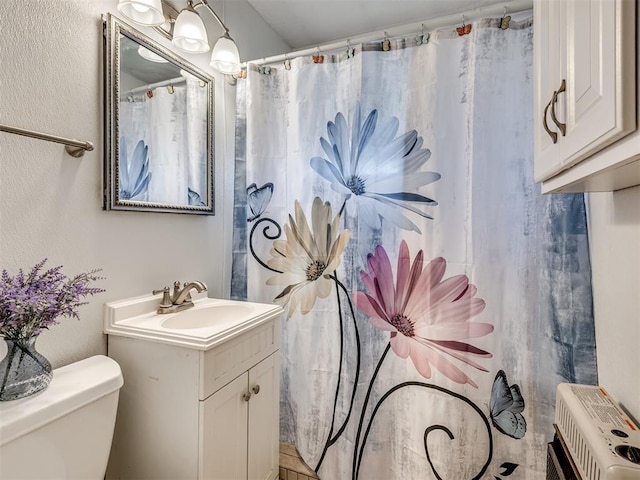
(163,145)
(434,298)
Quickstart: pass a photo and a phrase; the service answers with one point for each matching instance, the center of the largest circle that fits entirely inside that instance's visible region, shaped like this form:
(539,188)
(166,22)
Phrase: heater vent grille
(575,440)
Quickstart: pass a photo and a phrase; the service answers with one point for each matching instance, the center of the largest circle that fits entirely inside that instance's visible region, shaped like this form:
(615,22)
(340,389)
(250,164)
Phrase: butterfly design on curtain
(258,199)
(506,406)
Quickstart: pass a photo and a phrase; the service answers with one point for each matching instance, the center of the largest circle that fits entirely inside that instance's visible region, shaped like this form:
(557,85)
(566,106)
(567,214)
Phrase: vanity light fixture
(186,32)
(190,35)
(144,12)
(225,57)
(189,32)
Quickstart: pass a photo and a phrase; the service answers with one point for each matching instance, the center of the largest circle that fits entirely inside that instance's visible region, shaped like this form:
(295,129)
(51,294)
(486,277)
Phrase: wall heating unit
(594,440)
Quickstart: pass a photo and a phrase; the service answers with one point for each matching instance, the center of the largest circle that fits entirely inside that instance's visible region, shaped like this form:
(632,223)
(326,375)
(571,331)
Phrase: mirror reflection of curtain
(174,128)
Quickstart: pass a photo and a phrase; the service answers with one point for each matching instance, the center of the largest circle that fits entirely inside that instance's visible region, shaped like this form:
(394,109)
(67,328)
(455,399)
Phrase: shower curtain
(163,145)
(433,297)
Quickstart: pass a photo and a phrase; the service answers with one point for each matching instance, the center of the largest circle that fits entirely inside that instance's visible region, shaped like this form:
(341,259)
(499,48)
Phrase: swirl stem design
(428,429)
(265,232)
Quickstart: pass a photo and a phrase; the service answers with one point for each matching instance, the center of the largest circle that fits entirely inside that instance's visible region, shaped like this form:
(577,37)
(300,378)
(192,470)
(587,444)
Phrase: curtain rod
(75,148)
(164,83)
(511,6)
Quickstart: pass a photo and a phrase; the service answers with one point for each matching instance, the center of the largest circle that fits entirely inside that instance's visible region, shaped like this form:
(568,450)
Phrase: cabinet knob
(246,397)
(256,389)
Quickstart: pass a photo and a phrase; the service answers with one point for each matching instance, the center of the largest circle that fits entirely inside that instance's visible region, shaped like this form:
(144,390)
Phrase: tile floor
(292,467)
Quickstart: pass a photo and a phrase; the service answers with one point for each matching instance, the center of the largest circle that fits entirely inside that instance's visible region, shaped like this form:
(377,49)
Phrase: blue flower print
(134,171)
(377,169)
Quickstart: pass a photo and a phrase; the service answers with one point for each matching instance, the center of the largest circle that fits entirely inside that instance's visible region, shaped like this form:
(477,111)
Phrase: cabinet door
(549,55)
(264,415)
(600,76)
(223,427)
(585,60)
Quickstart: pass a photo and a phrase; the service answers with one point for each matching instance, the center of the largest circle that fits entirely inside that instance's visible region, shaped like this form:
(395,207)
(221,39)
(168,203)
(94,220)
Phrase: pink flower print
(428,318)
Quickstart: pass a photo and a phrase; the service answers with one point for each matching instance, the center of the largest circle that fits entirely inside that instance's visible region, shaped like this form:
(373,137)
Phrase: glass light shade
(225,57)
(143,12)
(151,56)
(189,34)
(187,75)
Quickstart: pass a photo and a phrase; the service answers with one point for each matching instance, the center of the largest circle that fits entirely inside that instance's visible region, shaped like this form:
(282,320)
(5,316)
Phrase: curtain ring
(350,50)
(423,38)
(504,21)
(318,58)
(386,44)
(464,29)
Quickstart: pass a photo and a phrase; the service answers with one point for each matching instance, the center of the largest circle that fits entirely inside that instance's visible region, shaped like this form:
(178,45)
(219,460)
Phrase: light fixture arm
(215,15)
(189,34)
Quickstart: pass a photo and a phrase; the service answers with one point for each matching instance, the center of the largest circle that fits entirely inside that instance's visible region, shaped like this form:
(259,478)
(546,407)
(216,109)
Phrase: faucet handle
(173,295)
(166,297)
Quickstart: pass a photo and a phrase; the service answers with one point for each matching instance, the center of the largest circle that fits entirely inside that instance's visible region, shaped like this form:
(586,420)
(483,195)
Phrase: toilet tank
(65,431)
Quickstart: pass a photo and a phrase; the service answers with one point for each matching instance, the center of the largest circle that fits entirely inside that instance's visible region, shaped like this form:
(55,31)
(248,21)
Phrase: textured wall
(615,259)
(50,203)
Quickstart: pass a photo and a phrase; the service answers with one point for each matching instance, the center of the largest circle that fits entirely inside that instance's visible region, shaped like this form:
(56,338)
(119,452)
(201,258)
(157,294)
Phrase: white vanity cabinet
(585,95)
(188,413)
(245,408)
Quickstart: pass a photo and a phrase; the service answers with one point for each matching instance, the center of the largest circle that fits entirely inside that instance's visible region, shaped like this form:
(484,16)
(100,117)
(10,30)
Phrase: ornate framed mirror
(159,127)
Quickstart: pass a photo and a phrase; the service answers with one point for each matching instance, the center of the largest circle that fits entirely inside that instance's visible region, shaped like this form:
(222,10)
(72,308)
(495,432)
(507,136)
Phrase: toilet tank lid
(73,386)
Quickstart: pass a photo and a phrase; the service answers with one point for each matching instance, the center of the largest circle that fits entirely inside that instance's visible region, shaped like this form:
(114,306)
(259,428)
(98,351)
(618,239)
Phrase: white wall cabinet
(585,95)
(192,414)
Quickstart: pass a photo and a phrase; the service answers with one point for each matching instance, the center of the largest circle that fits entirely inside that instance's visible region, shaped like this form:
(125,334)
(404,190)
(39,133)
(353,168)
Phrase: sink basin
(207,316)
(208,323)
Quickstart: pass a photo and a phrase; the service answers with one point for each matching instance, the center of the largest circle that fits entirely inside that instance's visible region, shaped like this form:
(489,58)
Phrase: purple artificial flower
(33,302)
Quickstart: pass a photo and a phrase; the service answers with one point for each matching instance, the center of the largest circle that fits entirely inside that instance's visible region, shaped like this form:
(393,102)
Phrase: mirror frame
(113,27)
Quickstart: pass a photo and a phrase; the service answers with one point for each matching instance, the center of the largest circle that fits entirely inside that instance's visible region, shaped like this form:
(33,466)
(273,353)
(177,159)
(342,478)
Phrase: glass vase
(23,371)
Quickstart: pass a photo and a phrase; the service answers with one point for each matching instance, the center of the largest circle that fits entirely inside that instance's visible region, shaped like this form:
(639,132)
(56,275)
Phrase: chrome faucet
(180,299)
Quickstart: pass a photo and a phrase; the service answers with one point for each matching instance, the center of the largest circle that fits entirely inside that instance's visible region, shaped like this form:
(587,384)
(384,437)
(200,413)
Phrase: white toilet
(65,431)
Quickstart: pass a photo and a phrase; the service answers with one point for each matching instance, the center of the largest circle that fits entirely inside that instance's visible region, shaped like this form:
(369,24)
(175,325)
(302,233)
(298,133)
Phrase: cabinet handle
(246,397)
(561,126)
(256,389)
(553,135)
